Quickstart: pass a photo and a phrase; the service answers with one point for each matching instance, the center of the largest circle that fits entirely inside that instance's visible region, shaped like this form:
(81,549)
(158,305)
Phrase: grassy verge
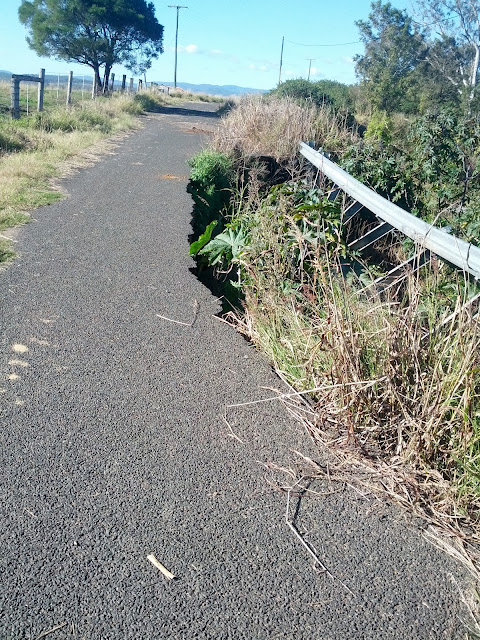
(35,149)
(393,377)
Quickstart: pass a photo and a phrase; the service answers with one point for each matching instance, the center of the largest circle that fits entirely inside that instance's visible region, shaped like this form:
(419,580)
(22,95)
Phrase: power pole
(177,7)
(310,66)
(281,62)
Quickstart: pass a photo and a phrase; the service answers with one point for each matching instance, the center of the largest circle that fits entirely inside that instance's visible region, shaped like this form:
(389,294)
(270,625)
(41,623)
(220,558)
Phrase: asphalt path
(113,443)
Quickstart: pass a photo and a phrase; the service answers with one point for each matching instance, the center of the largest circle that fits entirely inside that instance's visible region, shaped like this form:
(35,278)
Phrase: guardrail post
(41,88)
(69,88)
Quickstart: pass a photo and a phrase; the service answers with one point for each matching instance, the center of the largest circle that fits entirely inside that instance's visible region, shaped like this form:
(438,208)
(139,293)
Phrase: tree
(455,25)
(97,33)
(393,49)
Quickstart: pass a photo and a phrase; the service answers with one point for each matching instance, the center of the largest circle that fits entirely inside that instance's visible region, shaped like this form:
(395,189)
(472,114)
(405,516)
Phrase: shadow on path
(181,111)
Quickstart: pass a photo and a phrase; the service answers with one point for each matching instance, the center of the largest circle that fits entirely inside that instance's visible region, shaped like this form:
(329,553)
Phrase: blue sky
(223,42)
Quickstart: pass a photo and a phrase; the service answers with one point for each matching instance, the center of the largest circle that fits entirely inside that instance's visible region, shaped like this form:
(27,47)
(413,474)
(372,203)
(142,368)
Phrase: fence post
(69,88)
(124,82)
(15,98)
(112,82)
(41,88)
(139,85)
(94,86)
(131,85)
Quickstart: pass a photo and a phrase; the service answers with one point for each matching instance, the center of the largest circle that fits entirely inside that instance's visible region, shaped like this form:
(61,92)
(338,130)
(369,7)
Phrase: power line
(339,44)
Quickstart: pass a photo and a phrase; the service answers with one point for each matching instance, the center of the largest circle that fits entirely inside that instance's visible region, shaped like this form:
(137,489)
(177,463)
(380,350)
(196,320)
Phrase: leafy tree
(393,49)
(97,33)
(455,26)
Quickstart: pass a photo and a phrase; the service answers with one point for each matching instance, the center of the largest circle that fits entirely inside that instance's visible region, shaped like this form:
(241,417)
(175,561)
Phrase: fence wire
(55,91)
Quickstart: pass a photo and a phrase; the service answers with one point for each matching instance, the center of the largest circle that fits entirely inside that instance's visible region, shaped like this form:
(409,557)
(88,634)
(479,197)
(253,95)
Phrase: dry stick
(231,434)
(306,544)
(185,324)
(47,633)
(7,238)
(158,565)
(282,396)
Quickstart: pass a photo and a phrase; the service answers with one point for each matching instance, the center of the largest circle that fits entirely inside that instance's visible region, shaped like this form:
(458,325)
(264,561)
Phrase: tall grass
(271,126)
(393,376)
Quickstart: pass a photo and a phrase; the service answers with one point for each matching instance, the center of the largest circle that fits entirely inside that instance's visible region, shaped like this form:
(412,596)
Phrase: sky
(225,42)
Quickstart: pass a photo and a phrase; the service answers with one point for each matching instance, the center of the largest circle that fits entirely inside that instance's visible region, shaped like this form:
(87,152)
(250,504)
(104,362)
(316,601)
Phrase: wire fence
(56,91)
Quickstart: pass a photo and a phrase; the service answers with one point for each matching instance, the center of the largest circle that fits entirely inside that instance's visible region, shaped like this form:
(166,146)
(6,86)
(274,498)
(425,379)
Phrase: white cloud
(261,66)
(191,48)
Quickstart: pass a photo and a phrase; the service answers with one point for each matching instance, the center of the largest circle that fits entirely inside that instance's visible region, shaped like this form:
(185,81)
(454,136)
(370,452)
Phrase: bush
(321,93)
(211,182)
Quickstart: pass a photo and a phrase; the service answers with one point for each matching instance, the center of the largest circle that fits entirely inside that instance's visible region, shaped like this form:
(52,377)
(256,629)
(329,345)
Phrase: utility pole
(177,7)
(310,66)
(281,62)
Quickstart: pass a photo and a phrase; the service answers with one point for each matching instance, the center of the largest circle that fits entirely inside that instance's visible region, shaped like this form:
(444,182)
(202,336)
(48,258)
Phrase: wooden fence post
(131,85)
(139,84)
(94,87)
(112,82)
(41,89)
(124,82)
(69,88)
(15,97)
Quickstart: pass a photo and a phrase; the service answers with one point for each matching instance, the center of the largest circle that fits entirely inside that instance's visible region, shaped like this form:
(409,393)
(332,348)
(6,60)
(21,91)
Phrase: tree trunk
(473,75)
(98,79)
(106,77)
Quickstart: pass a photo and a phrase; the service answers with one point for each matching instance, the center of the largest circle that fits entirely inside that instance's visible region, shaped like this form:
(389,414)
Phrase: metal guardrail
(462,254)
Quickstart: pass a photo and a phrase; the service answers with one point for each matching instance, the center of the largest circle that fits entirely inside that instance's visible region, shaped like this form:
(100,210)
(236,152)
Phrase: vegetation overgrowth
(393,376)
(34,149)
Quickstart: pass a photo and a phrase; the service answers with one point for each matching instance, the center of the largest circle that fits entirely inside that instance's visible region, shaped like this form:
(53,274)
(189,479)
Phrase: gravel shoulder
(113,443)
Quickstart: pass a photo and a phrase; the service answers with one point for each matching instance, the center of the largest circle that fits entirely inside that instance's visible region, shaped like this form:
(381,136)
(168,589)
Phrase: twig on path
(158,565)
(44,634)
(196,307)
(308,546)
(231,434)
(282,396)
(7,238)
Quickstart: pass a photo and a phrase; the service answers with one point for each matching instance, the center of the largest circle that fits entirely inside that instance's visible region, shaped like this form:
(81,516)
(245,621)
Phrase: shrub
(211,182)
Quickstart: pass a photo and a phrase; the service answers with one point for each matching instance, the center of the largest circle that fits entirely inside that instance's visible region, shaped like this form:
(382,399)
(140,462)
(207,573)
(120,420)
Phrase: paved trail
(112,443)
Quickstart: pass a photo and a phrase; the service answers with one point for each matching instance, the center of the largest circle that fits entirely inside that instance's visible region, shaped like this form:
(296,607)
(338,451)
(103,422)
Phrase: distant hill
(215,89)
(212,89)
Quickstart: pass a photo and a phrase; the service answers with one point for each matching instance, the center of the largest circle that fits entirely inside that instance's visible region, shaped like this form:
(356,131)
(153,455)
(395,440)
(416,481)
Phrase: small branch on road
(44,634)
(307,545)
(158,565)
(196,307)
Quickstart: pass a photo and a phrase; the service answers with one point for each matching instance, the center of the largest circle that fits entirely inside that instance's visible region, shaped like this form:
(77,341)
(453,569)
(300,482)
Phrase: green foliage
(385,169)
(393,47)
(146,102)
(379,128)
(307,222)
(211,182)
(321,93)
(227,248)
(98,34)
(203,239)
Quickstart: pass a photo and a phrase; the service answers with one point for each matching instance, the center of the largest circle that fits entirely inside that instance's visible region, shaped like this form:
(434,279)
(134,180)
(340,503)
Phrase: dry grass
(271,126)
(393,378)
